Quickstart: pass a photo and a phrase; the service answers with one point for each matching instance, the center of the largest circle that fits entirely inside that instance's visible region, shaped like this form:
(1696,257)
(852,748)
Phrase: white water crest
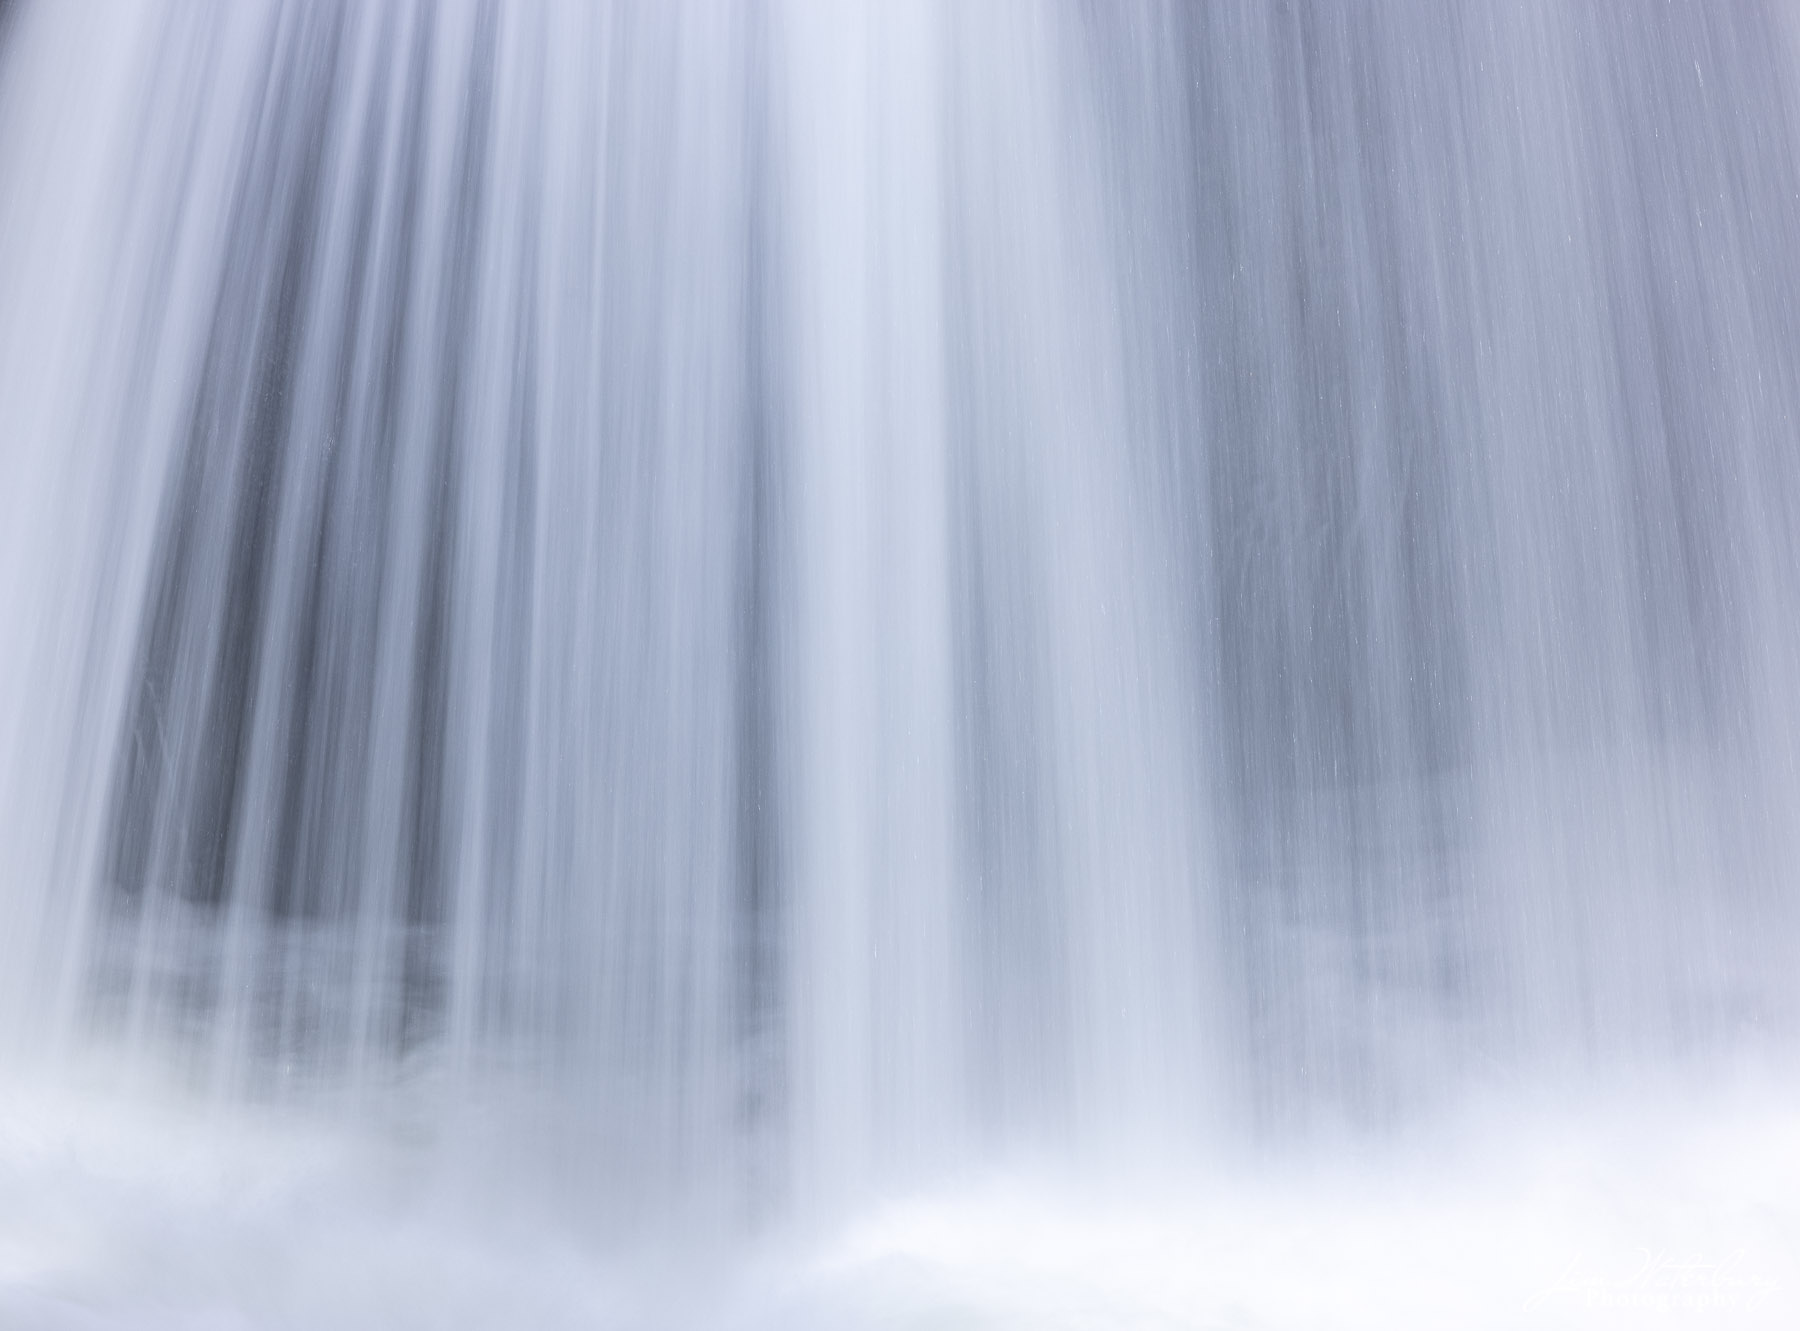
(651,630)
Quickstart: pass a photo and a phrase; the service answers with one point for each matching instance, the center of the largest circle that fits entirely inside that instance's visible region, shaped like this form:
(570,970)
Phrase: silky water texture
(869,664)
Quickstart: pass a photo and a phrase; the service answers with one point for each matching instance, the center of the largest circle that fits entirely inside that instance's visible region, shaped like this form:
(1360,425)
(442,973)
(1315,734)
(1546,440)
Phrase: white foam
(1658,1213)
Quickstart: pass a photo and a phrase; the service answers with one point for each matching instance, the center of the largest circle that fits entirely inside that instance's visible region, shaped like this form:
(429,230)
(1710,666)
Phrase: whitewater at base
(1649,1208)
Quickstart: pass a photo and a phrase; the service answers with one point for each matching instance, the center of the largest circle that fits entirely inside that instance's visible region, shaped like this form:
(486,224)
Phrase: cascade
(748,606)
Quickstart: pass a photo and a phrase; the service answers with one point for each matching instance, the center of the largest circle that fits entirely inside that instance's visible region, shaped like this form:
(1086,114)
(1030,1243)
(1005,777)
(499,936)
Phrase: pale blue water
(679,621)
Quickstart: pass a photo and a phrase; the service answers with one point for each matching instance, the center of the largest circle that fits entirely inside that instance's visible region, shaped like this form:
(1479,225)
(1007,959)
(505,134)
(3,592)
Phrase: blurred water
(730,609)
(1649,1211)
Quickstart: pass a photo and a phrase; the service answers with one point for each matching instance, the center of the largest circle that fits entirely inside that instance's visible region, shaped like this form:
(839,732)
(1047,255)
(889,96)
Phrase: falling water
(747,607)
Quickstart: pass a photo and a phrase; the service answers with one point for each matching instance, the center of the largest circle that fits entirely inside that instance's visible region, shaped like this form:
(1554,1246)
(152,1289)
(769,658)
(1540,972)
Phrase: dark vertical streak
(516,582)
(302,879)
(759,921)
(253,352)
(426,856)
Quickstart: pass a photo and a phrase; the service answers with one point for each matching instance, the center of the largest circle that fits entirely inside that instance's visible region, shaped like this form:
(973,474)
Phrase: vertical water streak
(748,604)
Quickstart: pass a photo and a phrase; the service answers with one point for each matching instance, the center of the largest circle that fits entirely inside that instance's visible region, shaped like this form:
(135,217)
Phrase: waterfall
(787,600)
